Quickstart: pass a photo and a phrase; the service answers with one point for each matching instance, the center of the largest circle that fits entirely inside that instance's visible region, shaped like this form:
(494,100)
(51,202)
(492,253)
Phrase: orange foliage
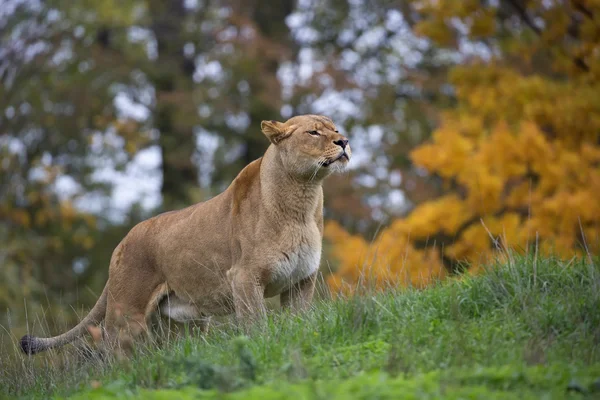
(392,260)
(520,154)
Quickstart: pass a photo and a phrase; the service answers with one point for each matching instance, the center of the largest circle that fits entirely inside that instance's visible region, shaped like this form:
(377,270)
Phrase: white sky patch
(366,180)
(189,49)
(143,173)
(408,50)
(307,35)
(368,73)
(244,87)
(365,142)
(394,21)
(66,187)
(9,8)
(9,112)
(14,145)
(127,108)
(305,65)
(349,59)
(375,201)
(371,39)
(469,48)
(396,202)
(286,76)
(191,4)
(234,152)
(296,20)
(37,174)
(346,36)
(137,34)
(396,198)
(205,69)
(64,53)
(395,178)
(239,122)
(139,183)
(204,110)
(207,144)
(302,31)
(381,171)
(378,215)
(359,143)
(34,49)
(375,133)
(286,111)
(338,105)
(227,34)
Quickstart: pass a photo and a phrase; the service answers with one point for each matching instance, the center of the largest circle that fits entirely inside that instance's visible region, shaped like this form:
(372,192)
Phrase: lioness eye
(314,133)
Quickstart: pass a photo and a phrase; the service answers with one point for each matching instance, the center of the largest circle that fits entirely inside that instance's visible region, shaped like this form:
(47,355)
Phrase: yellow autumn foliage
(391,261)
(520,154)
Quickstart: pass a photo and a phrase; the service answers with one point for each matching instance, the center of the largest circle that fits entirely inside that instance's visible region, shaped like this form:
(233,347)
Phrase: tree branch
(522,12)
(524,16)
(441,240)
(581,8)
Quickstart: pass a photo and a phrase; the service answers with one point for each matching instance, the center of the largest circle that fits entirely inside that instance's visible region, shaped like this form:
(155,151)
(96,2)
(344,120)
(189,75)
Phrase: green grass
(529,329)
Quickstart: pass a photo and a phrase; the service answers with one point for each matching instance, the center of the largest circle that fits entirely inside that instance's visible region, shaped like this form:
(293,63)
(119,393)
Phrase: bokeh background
(474,124)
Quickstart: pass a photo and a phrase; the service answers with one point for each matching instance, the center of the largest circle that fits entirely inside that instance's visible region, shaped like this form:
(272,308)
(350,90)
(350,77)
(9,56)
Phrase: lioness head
(310,146)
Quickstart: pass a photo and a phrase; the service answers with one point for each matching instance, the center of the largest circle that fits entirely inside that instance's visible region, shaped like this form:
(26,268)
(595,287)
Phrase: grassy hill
(527,329)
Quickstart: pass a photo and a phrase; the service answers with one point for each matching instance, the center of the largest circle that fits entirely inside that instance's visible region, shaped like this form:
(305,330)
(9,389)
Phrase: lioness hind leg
(123,327)
(126,317)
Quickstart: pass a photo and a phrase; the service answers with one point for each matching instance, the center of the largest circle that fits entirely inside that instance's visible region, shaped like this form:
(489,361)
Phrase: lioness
(259,238)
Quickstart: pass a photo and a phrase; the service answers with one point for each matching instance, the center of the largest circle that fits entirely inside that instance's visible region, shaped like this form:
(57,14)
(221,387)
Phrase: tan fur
(261,237)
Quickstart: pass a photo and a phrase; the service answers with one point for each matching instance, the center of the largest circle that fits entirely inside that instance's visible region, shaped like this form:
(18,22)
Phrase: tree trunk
(172,80)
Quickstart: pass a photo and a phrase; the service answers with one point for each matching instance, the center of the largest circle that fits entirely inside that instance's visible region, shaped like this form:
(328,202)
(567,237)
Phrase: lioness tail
(31,344)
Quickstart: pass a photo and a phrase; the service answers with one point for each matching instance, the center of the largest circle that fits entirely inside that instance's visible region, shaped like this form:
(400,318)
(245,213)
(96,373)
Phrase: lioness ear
(274,131)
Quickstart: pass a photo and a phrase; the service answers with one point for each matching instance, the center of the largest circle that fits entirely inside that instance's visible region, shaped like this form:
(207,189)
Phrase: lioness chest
(294,266)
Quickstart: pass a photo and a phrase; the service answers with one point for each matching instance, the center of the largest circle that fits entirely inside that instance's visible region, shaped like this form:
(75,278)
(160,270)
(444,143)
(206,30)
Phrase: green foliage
(479,383)
(57,120)
(527,329)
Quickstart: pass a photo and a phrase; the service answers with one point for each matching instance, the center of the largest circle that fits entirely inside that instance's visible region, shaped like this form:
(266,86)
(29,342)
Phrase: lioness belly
(179,310)
(182,310)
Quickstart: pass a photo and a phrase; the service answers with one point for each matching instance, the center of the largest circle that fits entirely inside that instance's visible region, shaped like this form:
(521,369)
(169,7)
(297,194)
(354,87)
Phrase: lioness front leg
(248,295)
(299,296)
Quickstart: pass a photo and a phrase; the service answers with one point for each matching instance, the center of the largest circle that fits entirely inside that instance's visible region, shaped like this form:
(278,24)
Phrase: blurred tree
(519,154)
(360,63)
(174,113)
(240,86)
(50,123)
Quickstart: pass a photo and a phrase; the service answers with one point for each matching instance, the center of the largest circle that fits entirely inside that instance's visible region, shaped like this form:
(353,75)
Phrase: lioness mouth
(329,162)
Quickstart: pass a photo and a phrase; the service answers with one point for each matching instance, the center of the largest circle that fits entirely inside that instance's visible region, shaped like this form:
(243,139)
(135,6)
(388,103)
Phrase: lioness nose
(341,142)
